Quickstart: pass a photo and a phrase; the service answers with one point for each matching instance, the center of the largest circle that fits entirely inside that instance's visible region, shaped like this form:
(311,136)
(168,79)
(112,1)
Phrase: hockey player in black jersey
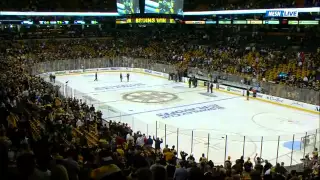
(96,77)
(121,77)
(128,77)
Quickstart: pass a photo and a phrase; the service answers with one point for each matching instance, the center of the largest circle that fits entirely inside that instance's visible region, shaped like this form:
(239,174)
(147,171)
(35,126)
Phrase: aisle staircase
(92,137)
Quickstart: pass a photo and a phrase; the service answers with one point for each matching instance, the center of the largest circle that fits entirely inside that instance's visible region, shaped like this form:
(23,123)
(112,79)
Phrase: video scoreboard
(166,21)
(146,21)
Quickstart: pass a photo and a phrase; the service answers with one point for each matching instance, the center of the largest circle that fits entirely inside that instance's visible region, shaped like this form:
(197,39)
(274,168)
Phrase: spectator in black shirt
(191,158)
(157,143)
(92,109)
(248,165)
(267,166)
(280,169)
(171,168)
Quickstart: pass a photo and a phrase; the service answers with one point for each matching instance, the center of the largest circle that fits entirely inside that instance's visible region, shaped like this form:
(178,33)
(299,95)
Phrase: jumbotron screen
(164,6)
(128,6)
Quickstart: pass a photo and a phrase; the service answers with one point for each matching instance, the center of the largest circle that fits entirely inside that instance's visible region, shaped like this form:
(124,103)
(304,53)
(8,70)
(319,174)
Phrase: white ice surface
(252,119)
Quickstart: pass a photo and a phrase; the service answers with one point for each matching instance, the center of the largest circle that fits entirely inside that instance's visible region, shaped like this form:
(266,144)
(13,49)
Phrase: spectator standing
(227,163)
(158,143)
(171,168)
(181,173)
(258,163)
(195,173)
(129,137)
(166,149)
(280,169)
(191,159)
(59,172)
(149,142)
(72,165)
(267,166)
(143,174)
(168,155)
(140,141)
(108,170)
(159,173)
(248,165)
(203,159)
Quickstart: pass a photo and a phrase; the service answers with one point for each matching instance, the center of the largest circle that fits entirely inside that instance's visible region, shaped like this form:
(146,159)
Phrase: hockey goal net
(308,143)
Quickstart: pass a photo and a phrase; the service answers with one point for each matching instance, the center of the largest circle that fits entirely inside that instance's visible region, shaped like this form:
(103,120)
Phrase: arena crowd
(231,55)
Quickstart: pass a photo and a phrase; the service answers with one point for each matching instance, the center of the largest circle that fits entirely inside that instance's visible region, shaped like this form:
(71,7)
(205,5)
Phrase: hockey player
(189,81)
(54,78)
(128,77)
(211,87)
(248,94)
(121,77)
(195,82)
(50,77)
(96,77)
(82,67)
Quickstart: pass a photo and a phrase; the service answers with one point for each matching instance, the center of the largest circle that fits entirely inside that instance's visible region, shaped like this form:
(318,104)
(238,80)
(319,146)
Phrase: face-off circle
(149,97)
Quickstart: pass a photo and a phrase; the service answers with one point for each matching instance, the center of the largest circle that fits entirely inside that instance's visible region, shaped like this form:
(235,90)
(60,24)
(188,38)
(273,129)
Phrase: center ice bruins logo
(149,97)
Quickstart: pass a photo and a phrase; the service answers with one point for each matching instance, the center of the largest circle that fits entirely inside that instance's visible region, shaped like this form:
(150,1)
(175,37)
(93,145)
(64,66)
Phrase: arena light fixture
(18,13)
(251,11)
(196,13)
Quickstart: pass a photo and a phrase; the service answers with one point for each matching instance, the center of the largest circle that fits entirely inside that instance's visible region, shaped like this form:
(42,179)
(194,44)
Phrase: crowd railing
(215,144)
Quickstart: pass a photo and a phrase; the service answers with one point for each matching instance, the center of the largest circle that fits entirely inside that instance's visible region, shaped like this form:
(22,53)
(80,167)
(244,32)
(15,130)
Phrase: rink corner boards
(221,88)
(267,98)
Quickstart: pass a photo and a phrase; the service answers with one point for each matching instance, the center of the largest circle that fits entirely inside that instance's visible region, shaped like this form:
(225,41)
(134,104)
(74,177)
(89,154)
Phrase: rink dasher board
(310,108)
(105,70)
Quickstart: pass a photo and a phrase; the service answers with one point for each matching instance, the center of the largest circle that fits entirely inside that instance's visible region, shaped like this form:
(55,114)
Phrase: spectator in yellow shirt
(173,150)
(203,159)
(168,155)
(166,149)
(120,151)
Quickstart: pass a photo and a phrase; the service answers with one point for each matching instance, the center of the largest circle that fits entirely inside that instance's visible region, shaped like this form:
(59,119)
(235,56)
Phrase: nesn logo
(282,13)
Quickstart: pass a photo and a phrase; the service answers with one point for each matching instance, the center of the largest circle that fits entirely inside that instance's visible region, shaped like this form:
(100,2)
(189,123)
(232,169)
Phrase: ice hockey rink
(218,124)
